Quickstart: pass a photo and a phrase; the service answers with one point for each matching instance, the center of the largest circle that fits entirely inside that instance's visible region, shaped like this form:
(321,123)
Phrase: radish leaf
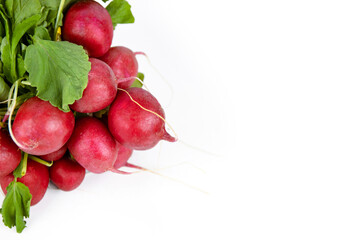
(137,83)
(16,206)
(22,9)
(59,71)
(120,12)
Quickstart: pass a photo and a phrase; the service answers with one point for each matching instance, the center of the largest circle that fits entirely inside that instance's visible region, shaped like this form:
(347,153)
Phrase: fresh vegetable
(92,145)
(54,156)
(100,91)
(16,205)
(67,174)
(136,120)
(41,128)
(123,155)
(124,64)
(58,71)
(10,156)
(55,98)
(89,24)
(36,179)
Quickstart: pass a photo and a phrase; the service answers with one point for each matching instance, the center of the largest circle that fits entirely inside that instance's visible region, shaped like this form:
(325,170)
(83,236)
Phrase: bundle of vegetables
(69,101)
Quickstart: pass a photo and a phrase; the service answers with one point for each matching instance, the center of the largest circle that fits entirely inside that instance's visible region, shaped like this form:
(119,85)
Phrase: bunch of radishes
(99,134)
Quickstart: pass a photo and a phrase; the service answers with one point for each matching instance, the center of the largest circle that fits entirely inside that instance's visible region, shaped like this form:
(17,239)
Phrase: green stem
(24,167)
(61,7)
(39,160)
(11,111)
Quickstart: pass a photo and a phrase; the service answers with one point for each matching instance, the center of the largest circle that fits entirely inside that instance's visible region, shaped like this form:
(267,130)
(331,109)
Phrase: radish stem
(56,30)
(11,111)
(24,166)
(39,160)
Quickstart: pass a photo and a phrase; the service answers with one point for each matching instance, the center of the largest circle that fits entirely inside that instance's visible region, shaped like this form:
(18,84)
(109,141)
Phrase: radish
(100,91)
(54,156)
(40,128)
(10,155)
(123,156)
(92,145)
(36,179)
(139,125)
(124,64)
(89,24)
(67,174)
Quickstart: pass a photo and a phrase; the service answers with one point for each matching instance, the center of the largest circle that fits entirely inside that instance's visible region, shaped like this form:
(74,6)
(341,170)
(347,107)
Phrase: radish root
(159,73)
(131,78)
(164,176)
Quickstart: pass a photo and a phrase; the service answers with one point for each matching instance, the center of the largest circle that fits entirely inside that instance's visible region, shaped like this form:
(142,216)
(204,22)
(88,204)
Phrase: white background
(267,95)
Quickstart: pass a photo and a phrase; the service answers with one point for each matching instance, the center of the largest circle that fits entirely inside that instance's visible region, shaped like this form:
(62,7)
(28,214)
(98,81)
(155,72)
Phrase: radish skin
(41,128)
(134,127)
(124,64)
(100,91)
(36,179)
(92,145)
(123,155)
(10,155)
(89,24)
(54,156)
(67,174)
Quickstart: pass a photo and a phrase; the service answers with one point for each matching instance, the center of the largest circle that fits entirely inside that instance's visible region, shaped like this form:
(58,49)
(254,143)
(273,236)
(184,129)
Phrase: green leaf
(52,4)
(6,58)
(120,12)
(44,14)
(137,83)
(6,22)
(42,33)
(59,71)
(22,9)
(21,29)
(16,206)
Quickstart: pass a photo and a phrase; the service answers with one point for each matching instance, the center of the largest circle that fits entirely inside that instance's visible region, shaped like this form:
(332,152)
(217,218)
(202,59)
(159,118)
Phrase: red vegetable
(123,155)
(133,126)
(92,145)
(100,91)
(67,174)
(36,179)
(124,64)
(89,24)
(10,155)
(41,128)
(54,156)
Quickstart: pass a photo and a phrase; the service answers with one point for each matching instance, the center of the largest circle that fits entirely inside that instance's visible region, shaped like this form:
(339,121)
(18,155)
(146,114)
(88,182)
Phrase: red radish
(133,126)
(124,64)
(36,179)
(100,91)
(54,156)
(67,174)
(10,155)
(89,24)
(40,128)
(123,155)
(92,145)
